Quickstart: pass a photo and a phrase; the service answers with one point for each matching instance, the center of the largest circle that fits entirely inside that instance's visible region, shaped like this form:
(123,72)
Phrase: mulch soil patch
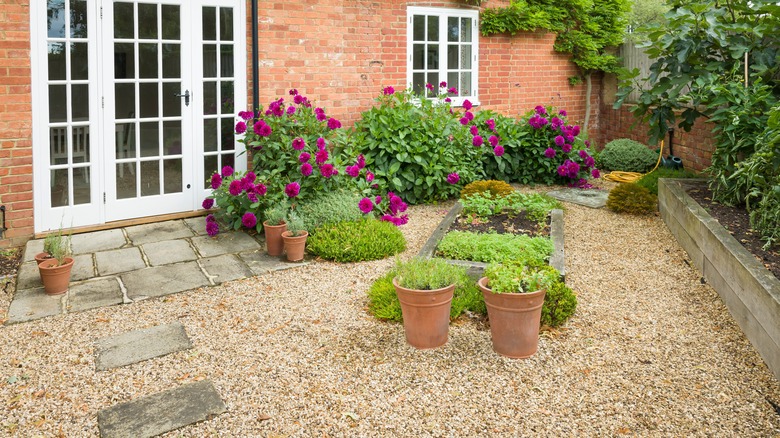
(9,261)
(502,224)
(736,220)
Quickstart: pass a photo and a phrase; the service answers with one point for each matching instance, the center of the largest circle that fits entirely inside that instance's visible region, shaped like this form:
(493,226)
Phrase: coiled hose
(630,177)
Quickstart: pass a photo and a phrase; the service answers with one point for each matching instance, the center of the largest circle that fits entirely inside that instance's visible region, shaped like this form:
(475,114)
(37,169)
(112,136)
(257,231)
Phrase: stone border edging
(749,290)
(477,268)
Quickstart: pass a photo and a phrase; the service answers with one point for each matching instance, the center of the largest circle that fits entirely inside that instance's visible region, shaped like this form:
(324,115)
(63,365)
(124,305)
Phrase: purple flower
(452,90)
(320,113)
(595,173)
(448,100)
(559,140)
(556,123)
(328,170)
(298,144)
(453,178)
(212,228)
(292,189)
(252,196)
(293,92)
(304,157)
(549,153)
(258,126)
(246,115)
(589,161)
(369,177)
(261,189)
(388,91)
(464,121)
(469,115)
(321,156)
(582,153)
(321,143)
(249,219)
(397,205)
(562,113)
(208,203)
(540,110)
(240,128)
(366,205)
(333,124)
(493,140)
(477,140)
(298,99)
(467,105)
(352,171)
(264,131)
(250,176)
(498,150)
(361,161)
(587,143)
(575,130)
(227,171)
(536,121)
(216,181)
(210,218)
(378,200)
(474,130)
(491,124)
(290,110)
(235,187)
(566,148)
(443,84)
(306,169)
(429,87)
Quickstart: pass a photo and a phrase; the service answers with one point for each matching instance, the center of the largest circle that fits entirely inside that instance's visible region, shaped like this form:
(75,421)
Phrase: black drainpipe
(255,67)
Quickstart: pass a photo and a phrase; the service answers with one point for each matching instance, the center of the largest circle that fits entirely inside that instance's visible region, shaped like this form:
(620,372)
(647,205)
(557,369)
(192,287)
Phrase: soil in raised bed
(736,220)
(502,224)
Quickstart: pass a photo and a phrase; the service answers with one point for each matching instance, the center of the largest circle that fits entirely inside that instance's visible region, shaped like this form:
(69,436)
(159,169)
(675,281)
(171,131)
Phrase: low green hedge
(357,241)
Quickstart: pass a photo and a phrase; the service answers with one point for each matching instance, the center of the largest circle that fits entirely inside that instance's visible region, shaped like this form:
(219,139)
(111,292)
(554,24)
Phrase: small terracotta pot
(274,245)
(295,246)
(514,320)
(55,278)
(41,256)
(426,315)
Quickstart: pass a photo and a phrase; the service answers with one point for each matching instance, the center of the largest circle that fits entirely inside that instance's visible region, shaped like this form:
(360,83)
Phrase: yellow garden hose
(629,177)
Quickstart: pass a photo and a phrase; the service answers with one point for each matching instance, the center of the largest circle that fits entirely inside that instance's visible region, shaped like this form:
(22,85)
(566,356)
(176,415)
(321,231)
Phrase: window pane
(56,61)
(150,178)
(171,60)
(55,13)
(418,56)
(123,20)
(147,21)
(172,135)
(418,83)
(210,165)
(125,101)
(148,100)
(58,145)
(124,60)
(452,29)
(172,176)
(228,134)
(209,24)
(79,61)
(81,186)
(147,60)
(209,98)
(465,57)
(465,84)
(433,79)
(59,188)
(452,81)
(80,144)
(171,102)
(418,28)
(465,28)
(433,57)
(58,106)
(125,140)
(433,28)
(228,104)
(226,60)
(125,180)
(226,24)
(228,160)
(452,57)
(150,139)
(209,60)
(79,102)
(210,135)
(78,19)
(171,22)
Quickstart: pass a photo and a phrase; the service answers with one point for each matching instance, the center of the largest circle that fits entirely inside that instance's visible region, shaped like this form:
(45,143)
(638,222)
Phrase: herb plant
(426,274)
(492,247)
(519,277)
(632,199)
(329,208)
(357,241)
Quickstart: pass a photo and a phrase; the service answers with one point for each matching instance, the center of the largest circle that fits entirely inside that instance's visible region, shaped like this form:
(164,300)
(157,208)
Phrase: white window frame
(444,14)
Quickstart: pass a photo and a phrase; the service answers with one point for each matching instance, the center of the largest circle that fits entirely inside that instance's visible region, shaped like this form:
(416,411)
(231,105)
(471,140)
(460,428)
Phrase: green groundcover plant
(356,241)
(537,206)
(492,247)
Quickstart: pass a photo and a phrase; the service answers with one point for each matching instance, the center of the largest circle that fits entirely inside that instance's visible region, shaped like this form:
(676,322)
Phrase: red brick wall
(15,124)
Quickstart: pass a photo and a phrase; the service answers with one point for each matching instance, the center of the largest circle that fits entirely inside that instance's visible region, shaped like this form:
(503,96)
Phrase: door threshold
(128,223)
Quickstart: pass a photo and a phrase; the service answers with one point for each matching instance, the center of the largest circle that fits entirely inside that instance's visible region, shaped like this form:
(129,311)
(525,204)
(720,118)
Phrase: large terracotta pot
(294,246)
(426,315)
(514,320)
(55,278)
(274,245)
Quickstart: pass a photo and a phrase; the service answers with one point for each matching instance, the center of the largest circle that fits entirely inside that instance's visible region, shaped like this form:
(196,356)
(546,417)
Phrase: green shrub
(631,199)
(627,156)
(330,208)
(559,304)
(383,302)
(492,247)
(491,188)
(650,181)
(356,241)
(516,276)
(537,206)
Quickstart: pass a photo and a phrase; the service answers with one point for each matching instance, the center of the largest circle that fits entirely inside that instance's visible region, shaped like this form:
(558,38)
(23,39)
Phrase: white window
(442,46)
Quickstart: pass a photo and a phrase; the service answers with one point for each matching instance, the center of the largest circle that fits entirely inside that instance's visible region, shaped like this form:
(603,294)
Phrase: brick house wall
(16,109)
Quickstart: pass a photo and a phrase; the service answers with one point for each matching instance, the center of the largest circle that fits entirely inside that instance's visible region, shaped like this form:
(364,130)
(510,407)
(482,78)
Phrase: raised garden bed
(477,268)
(749,290)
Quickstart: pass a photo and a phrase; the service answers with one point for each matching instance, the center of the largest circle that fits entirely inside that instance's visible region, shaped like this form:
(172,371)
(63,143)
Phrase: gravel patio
(651,351)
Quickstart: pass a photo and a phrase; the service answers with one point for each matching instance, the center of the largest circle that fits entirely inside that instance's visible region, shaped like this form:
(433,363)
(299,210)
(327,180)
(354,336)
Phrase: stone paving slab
(30,304)
(119,260)
(93,294)
(225,243)
(593,198)
(157,232)
(83,267)
(226,267)
(98,241)
(261,263)
(140,345)
(168,252)
(163,280)
(197,224)
(33,247)
(29,276)
(162,412)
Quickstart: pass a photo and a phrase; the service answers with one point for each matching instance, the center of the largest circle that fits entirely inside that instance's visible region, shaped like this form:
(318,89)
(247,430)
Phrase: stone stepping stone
(162,412)
(97,241)
(226,267)
(163,280)
(31,304)
(93,294)
(261,263)
(119,260)
(593,198)
(225,243)
(169,251)
(140,345)
(156,232)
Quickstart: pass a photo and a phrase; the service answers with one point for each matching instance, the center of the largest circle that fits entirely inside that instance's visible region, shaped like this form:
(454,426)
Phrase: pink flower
(216,181)
(304,157)
(540,110)
(264,131)
(235,187)
(240,128)
(292,190)
(369,177)
(474,130)
(246,115)
(549,152)
(320,113)
(469,115)
(306,169)
(227,171)
(361,161)
(453,178)
(388,91)
(293,92)
(298,99)
(562,113)
(250,176)
(498,150)
(291,110)
(378,200)
(443,84)
(249,219)
(491,124)
(252,196)
(321,143)
(493,140)
(212,228)
(208,203)
(261,189)
(321,156)
(366,205)
(333,124)
(429,87)
(298,144)
(467,105)
(566,148)
(448,100)
(464,121)
(328,170)
(477,140)
(352,171)
(452,90)
(595,173)
(559,140)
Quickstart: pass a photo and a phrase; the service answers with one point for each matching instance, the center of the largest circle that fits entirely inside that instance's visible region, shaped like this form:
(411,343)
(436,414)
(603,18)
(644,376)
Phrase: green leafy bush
(559,304)
(356,241)
(492,247)
(490,188)
(330,208)
(650,181)
(631,199)
(537,206)
(383,301)
(518,277)
(627,156)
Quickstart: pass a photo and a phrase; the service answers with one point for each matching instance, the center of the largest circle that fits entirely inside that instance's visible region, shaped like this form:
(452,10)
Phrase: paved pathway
(124,265)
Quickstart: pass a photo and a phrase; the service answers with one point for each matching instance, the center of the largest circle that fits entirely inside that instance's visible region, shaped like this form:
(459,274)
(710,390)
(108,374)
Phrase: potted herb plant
(294,238)
(274,225)
(49,242)
(55,270)
(514,295)
(425,288)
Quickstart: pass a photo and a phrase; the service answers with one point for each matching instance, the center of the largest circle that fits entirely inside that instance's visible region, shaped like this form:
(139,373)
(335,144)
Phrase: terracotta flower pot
(274,245)
(55,278)
(41,256)
(426,315)
(514,320)
(295,246)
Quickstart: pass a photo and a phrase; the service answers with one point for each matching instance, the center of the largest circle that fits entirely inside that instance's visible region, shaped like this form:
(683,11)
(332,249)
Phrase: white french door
(141,97)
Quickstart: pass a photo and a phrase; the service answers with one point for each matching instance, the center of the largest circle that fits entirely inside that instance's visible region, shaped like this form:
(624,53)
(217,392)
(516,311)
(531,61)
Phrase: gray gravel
(651,351)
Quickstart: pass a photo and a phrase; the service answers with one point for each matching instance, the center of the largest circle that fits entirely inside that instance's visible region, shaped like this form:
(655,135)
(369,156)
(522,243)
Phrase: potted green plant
(49,242)
(425,288)
(274,225)
(55,270)
(514,295)
(294,238)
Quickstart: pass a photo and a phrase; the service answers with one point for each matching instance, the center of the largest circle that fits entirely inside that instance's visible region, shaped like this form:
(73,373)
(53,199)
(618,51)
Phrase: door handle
(186,97)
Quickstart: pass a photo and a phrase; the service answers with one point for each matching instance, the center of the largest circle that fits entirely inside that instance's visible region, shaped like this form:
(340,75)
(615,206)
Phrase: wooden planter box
(476,269)
(749,290)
